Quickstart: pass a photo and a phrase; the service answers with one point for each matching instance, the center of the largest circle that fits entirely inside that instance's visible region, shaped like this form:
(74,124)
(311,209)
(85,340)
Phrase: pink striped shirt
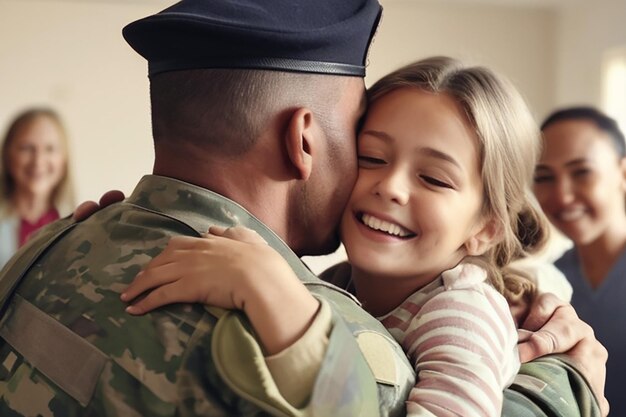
(459,334)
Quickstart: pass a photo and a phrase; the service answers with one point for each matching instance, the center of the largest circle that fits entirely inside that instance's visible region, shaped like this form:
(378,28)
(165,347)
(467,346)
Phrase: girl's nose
(394,187)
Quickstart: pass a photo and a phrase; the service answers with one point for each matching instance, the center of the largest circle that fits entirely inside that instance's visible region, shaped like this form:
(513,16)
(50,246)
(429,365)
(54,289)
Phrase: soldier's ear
(300,141)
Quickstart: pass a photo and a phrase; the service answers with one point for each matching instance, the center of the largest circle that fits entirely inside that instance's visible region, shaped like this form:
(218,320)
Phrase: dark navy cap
(315,36)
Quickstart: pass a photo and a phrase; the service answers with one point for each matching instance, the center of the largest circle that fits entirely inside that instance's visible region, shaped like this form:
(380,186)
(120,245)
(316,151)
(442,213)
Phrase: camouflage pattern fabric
(69,349)
(550,386)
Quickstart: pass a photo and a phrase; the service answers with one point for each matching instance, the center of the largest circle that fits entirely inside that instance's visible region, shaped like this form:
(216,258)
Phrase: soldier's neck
(244,182)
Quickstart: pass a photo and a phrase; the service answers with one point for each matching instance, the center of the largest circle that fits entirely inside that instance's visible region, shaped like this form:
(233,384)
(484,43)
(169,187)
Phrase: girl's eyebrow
(425,150)
(378,134)
(440,155)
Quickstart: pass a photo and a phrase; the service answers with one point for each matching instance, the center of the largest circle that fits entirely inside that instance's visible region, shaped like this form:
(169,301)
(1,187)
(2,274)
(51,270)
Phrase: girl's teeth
(384,226)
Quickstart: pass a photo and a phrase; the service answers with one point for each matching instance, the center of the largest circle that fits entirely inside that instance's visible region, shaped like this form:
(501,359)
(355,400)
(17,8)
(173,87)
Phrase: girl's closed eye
(366,161)
(436,182)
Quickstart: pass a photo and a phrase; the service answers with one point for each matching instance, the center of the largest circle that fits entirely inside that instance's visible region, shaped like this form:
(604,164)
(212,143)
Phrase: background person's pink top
(27,228)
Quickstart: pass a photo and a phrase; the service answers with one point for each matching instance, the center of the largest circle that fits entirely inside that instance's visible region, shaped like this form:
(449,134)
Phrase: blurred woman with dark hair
(580,182)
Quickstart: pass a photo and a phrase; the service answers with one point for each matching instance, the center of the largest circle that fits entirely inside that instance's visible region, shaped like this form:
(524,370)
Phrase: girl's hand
(231,268)
(212,270)
(207,270)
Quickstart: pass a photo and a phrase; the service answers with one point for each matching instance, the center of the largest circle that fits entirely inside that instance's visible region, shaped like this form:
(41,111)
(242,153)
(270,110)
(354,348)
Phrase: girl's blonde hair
(509,147)
(62,197)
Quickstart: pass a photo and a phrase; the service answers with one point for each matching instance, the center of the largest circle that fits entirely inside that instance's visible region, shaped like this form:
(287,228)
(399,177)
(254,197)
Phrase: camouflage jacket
(69,349)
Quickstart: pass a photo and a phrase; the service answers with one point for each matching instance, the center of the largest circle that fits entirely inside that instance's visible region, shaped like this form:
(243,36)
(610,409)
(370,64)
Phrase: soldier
(254,110)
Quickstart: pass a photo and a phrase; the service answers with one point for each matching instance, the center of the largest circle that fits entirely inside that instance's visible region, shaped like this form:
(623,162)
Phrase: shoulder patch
(379,356)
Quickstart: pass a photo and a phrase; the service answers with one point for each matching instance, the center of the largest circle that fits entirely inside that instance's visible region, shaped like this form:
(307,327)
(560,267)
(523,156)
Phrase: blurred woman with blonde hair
(35,184)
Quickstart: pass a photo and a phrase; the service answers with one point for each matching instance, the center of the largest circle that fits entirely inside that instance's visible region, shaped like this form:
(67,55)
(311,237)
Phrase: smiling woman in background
(35,185)
(580,182)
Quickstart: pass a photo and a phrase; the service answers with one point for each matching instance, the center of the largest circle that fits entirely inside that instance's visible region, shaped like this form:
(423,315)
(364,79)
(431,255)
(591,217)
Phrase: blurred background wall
(70,54)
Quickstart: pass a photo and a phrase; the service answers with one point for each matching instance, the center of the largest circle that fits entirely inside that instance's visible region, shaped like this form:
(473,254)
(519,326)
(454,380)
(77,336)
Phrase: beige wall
(518,42)
(584,34)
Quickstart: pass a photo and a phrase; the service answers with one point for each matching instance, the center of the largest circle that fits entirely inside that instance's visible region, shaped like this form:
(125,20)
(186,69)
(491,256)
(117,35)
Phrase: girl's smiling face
(416,207)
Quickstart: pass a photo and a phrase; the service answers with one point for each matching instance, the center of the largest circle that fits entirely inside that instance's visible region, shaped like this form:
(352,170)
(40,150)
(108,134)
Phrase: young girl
(441,206)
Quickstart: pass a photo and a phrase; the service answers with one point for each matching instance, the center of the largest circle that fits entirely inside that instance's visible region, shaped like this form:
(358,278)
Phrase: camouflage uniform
(69,349)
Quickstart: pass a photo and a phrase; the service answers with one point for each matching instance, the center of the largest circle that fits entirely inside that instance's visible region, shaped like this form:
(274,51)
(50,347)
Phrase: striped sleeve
(463,345)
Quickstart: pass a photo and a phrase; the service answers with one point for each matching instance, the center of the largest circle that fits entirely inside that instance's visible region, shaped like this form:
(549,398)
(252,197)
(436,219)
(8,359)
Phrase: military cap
(314,36)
